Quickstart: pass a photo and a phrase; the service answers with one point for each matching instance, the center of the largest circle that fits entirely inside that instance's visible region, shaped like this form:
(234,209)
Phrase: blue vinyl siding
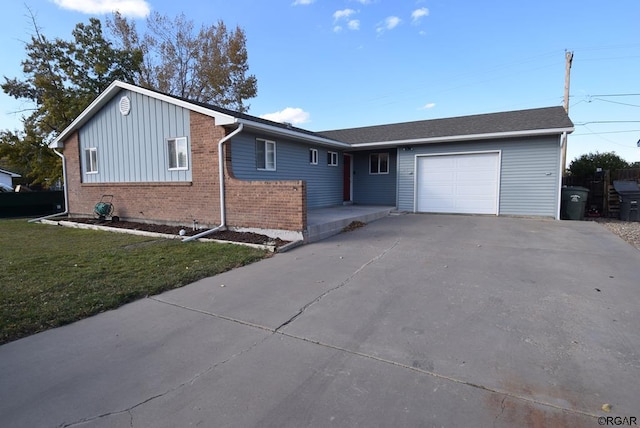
(133,148)
(324,183)
(528,173)
(374,189)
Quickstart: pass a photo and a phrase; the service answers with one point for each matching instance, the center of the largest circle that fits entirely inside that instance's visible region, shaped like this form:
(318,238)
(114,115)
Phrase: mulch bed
(223,235)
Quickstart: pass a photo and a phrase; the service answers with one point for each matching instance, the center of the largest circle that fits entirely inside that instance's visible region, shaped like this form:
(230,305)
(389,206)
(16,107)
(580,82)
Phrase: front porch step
(317,232)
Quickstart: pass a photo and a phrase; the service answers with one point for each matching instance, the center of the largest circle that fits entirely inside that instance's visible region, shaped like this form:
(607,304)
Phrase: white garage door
(464,183)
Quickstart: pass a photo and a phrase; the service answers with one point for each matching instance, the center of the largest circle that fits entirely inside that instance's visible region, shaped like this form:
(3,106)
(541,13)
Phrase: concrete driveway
(413,320)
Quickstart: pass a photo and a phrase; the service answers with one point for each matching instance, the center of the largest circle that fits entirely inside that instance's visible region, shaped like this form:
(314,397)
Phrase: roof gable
(222,116)
(113,90)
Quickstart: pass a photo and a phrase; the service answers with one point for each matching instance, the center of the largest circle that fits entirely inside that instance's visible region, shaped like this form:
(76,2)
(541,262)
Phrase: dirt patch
(353,226)
(223,235)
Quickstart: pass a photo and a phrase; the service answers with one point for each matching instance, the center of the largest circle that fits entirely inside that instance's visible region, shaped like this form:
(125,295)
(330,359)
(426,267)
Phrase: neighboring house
(159,157)
(6,177)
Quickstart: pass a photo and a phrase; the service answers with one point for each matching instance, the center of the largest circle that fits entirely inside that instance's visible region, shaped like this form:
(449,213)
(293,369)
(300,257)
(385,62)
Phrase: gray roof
(244,116)
(552,119)
(542,121)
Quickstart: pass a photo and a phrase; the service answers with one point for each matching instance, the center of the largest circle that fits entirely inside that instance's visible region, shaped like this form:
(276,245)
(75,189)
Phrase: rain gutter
(223,217)
(65,189)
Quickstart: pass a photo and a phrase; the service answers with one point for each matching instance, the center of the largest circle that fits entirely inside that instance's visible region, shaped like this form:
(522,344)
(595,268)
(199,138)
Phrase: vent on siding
(125,105)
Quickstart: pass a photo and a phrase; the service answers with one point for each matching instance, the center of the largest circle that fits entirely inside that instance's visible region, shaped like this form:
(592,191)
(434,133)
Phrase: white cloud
(428,106)
(302,2)
(342,14)
(418,14)
(131,8)
(293,115)
(365,2)
(392,22)
(389,24)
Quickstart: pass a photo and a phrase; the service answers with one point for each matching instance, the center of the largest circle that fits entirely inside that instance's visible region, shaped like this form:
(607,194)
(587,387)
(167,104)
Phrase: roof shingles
(549,118)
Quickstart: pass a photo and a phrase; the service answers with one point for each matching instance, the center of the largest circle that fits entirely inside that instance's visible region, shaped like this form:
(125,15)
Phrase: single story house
(169,160)
(6,177)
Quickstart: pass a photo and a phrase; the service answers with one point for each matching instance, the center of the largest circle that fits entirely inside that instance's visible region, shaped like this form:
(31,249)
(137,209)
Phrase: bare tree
(208,66)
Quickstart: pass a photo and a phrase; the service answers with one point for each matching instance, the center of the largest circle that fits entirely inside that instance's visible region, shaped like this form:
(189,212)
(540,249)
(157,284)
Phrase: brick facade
(266,204)
(250,204)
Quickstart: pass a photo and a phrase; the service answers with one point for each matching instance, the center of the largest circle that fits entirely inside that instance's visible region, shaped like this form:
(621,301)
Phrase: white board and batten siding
(528,174)
(133,147)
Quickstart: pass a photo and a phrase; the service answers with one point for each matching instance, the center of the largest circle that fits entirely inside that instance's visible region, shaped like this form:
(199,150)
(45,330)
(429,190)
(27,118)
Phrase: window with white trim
(266,155)
(178,153)
(379,163)
(332,158)
(313,156)
(91,160)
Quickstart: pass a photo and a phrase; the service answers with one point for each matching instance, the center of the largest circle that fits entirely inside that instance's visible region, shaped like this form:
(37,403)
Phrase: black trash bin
(629,194)
(573,201)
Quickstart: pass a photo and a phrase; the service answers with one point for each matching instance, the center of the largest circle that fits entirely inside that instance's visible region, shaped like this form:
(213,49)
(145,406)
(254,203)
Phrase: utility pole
(567,80)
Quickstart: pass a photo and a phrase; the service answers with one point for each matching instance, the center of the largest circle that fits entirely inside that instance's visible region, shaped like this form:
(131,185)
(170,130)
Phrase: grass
(51,275)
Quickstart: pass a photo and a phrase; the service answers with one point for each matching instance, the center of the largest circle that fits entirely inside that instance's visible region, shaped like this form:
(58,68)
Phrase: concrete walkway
(325,222)
(413,320)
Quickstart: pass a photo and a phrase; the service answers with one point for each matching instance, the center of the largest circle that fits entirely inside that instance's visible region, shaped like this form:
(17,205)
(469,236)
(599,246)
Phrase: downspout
(65,189)
(563,140)
(223,217)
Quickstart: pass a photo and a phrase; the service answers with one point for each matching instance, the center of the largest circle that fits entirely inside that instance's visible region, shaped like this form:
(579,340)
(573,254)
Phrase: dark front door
(346,193)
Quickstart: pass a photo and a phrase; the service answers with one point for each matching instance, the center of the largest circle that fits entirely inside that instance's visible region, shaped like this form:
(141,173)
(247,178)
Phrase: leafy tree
(587,164)
(61,78)
(208,66)
(25,154)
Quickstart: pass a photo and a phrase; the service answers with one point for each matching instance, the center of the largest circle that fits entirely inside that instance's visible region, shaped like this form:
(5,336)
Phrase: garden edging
(65,223)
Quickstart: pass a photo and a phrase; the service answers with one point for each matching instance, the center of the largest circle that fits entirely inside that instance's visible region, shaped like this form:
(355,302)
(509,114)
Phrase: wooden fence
(603,200)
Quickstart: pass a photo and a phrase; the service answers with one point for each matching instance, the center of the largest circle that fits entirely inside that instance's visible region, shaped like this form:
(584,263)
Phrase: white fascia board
(292,134)
(9,173)
(470,137)
(113,89)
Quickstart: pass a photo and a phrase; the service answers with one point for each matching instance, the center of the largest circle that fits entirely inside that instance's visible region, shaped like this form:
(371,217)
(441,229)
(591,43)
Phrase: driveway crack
(443,377)
(188,382)
(337,287)
(211,314)
(495,421)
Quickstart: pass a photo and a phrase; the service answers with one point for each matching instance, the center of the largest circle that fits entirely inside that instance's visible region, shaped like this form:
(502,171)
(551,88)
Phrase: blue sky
(327,64)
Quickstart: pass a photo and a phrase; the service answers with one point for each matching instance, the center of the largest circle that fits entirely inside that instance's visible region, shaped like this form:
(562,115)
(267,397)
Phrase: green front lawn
(52,275)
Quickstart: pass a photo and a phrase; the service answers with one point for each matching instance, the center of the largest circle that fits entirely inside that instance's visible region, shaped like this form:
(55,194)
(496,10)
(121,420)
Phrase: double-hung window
(178,154)
(266,155)
(332,158)
(379,163)
(313,156)
(91,160)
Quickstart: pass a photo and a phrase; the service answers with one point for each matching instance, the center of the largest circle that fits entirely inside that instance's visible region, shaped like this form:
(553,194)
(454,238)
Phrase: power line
(608,132)
(606,47)
(606,121)
(606,139)
(615,95)
(616,102)
(608,58)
